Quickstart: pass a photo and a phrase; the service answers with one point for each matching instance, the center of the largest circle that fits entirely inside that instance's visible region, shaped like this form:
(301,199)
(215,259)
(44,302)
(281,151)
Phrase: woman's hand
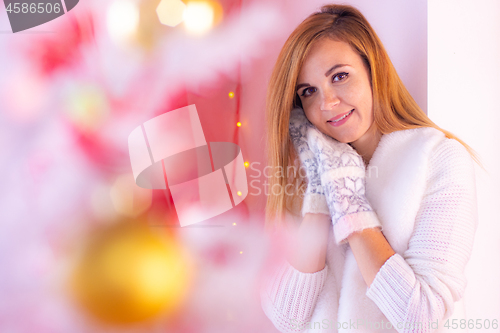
(308,243)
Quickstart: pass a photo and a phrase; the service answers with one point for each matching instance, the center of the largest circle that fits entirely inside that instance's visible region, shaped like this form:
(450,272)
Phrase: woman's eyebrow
(328,72)
(302,85)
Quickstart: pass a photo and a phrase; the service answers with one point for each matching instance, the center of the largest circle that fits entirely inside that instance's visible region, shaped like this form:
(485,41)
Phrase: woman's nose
(329,99)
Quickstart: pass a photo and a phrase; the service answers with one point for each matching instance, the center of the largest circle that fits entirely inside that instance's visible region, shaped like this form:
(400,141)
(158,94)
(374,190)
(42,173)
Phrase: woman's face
(335,90)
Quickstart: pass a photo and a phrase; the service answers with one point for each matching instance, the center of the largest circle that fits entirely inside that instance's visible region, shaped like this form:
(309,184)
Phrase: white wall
(464,97)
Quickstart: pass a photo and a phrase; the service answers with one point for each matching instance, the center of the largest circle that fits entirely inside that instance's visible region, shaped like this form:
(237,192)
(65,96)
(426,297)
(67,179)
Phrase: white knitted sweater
(422,187)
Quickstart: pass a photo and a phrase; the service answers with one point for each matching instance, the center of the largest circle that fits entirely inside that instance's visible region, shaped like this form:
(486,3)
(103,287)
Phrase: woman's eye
(308,91)
(340,77)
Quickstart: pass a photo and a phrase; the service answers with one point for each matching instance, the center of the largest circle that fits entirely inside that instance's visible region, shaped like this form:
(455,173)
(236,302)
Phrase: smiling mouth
(343,117)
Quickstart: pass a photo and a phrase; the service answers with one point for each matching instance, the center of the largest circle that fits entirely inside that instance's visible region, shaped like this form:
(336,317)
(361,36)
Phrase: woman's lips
(340,119)
(340,116)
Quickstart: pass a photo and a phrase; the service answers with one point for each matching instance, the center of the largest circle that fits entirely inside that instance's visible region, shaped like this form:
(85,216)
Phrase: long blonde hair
(393,107)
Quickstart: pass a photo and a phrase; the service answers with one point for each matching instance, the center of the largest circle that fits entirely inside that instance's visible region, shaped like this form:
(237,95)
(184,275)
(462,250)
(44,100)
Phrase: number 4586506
(41,7)
(471,324)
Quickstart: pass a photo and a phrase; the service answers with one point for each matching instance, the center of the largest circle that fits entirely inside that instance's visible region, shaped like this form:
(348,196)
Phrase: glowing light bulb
(234,223)
(231,94)
(239,193)
(246,164)
(241,252)
(199,17)
(238,124)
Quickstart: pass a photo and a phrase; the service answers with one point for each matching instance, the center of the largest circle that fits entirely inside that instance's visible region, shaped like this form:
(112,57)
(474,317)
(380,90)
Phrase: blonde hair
(393,107)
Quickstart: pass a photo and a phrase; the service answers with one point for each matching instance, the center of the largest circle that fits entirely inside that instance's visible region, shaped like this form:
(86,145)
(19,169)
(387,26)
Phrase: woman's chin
(341,136)
(346,139)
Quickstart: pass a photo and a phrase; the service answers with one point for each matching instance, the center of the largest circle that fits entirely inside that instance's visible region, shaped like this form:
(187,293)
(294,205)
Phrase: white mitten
(342,174)
(314,196)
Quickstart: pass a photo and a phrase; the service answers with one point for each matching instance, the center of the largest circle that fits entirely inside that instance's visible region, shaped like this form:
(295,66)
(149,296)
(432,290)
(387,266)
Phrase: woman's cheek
(310,117)
(313,115)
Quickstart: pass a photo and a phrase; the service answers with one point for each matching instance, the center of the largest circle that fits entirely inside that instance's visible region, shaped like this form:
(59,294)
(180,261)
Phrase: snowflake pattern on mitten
(346,195)
(314,196)
(342,174)
(298,129)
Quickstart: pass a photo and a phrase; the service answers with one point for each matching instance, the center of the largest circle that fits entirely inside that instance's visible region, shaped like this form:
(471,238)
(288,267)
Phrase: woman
(389,209)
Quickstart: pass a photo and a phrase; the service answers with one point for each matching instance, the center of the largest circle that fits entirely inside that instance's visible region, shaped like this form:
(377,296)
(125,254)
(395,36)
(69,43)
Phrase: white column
(464,98)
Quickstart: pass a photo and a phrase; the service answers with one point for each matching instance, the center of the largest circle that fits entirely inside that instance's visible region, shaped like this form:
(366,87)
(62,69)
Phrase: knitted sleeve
(422,285)
(289,297)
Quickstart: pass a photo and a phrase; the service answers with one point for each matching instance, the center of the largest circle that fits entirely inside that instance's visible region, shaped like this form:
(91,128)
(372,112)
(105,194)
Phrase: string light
(231,94)
(238,124)
(246,164)
(234,223)
(241,252)
(239,193)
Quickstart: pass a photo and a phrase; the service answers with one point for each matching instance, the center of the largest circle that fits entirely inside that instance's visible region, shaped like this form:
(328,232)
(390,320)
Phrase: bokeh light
(122,20)
(201,15)
(87,107)
(170,12)
(129,199)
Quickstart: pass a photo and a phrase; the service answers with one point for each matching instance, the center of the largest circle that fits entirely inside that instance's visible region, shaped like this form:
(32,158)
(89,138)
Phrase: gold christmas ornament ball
(128,274)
